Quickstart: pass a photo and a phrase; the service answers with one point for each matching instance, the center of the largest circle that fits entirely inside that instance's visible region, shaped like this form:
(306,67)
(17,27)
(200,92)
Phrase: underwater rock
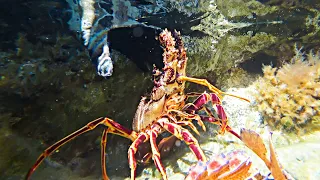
(35,68)
(97,18)
(47,81)
(15,150)
(256,23)
(234,8)
(203,16)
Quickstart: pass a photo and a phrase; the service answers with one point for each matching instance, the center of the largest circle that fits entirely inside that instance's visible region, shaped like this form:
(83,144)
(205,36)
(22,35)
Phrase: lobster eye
(156,72)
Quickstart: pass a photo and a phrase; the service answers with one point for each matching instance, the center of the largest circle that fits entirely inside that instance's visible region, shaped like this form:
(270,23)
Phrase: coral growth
(289,97)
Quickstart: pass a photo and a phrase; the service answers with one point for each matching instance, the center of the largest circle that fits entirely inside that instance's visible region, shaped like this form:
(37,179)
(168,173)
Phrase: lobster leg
(142,137)
(202,100)
(153,134)
(190,117)
(198,105)
(188,123)
(212,88)
(155,129)
(103,154)
(215,121)
(184,135)
(115,128)
(164,148)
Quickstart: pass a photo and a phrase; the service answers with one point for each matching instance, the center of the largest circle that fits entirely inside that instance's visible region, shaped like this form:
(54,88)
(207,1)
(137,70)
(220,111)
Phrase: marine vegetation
(289,96)
(166,110)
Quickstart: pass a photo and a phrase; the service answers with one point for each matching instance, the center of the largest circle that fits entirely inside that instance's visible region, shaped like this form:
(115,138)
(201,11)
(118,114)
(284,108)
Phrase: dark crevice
(139,44)
(255,64)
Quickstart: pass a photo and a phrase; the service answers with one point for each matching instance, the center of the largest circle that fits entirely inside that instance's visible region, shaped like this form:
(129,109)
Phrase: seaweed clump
(289,96)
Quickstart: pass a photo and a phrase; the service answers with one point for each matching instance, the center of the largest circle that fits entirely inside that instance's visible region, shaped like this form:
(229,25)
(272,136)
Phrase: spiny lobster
(165,110)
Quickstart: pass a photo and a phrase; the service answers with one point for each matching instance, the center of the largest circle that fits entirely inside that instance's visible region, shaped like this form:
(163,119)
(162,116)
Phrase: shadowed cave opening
(256,63)
(139,44)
